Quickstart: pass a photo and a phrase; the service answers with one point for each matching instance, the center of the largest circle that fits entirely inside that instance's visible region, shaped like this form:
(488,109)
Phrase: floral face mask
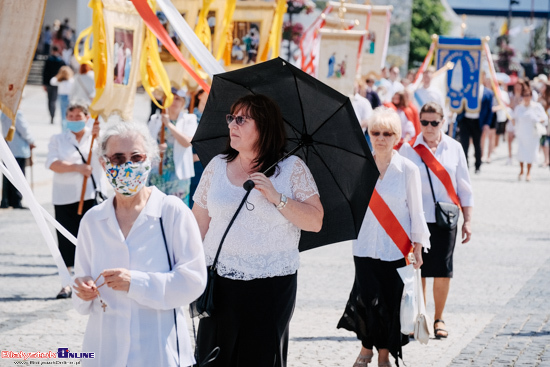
(128,178)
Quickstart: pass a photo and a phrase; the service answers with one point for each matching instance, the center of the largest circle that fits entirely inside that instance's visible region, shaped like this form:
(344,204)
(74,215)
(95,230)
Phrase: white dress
(137,327)
(262,243)
(526,119)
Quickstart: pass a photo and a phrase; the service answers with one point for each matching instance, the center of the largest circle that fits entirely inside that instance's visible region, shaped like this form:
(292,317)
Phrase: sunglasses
(239,120)
(119,159)
(433,123)
(385,134)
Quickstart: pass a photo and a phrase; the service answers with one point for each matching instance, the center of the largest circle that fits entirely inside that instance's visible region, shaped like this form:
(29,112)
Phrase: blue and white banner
(462,80)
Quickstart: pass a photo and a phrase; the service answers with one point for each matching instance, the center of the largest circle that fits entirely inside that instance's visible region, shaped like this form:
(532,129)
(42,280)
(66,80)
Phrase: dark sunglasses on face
(239,120)
(433,123)
(119,159)
(385,134)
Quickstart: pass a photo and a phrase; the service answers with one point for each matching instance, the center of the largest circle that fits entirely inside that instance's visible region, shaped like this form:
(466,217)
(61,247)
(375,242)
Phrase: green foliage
(427,19)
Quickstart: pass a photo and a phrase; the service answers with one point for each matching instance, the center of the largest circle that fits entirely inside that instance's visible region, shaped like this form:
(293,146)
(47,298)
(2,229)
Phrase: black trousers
(52,99)
(68,217)
(469,128)
(10,195)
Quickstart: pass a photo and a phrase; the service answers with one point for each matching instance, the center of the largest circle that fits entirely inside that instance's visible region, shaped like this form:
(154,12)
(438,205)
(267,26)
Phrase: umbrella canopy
(320,123)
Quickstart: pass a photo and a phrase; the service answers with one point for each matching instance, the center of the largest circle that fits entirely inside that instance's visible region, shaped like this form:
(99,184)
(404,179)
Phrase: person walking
(472,124)
(530,123)
(256,278)
(51,68)
(64,82)
(445,179)
(199,103)
(177,164)
(400,104)
(67,156)
(21,147)
(372,311)
(146,247)
(84,85)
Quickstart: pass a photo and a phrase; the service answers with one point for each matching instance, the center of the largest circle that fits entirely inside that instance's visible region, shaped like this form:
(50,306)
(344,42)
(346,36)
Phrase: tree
(427,19)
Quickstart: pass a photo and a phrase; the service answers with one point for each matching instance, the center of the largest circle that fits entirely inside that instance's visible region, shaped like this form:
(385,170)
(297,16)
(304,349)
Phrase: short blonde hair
(385,118)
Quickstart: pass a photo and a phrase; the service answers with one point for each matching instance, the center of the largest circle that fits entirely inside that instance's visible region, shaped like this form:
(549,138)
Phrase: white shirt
(362,108)
(450,154)
(183,157)
(400,190)
(137,327)
(431,94)
(67,187)
(501,114)
(262,243)
(64,87)
(392,88)
(83,87)
(407,127)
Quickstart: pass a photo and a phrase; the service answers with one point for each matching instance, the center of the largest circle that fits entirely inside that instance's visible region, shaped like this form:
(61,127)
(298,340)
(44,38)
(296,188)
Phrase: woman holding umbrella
(256,271)
(373,309)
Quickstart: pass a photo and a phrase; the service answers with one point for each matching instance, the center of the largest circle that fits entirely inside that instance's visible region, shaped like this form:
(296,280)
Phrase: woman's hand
(418,255)
(84,169)
(162,147)
(265,187)
(85,288)
(165,118)
(466,232)
(117,279)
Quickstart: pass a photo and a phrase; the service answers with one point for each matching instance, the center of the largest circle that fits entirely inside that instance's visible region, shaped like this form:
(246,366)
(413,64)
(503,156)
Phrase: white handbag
(421,331)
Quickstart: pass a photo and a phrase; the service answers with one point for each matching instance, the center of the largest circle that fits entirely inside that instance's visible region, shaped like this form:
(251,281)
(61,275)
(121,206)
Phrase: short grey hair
(130,129)
(386,118)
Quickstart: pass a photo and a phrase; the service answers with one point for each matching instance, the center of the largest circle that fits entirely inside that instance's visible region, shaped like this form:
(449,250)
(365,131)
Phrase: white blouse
(183,157)
(137,327)
(262,243)
(450,154)
(400,189)
(67,187)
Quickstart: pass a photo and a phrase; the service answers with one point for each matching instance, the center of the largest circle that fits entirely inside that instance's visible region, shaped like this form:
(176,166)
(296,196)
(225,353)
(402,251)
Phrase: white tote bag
(421,331)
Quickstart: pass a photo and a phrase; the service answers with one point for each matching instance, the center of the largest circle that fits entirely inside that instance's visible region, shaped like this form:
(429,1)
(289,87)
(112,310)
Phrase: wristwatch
(282,203)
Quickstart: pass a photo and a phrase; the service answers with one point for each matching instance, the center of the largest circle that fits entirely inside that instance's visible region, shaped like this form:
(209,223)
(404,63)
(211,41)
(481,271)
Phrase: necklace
(241,164)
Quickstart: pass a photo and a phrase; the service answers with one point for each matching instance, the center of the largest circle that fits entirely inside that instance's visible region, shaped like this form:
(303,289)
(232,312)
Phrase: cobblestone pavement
(497,313)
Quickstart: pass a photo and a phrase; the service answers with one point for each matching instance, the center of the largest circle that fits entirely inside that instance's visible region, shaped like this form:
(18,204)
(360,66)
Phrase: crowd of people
(151,241)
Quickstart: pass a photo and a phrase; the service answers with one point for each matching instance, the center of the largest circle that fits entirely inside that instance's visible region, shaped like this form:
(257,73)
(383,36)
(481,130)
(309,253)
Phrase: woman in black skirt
(372,311)
(438,263)
(256,270)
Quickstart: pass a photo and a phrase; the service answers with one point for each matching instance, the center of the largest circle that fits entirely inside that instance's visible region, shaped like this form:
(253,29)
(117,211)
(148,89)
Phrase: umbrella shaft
(285,157)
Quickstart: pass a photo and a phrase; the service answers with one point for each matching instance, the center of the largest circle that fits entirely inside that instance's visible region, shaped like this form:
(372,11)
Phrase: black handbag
(204,305)
(446,214)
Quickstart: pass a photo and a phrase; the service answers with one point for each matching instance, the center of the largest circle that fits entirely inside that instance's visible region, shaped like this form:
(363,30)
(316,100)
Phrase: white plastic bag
(409,304)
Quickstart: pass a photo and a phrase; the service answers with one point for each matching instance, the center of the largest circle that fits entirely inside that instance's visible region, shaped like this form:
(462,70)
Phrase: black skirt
(438,261)
(250,324)
(67,216)
(372,311)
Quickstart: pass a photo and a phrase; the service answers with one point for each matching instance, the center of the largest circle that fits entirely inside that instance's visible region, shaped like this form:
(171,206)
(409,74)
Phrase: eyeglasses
(239,120)
(385,134)
(119,159)
(433,123)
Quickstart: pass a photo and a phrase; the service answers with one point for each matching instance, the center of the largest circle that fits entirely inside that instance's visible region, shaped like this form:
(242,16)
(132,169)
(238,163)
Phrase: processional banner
(20,24)
(337,62)
(124,31)
(463,79)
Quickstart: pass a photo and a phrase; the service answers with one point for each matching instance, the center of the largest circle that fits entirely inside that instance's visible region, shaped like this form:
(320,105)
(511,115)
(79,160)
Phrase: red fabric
(438,170)
(413,116)
(154,25)
(391,225)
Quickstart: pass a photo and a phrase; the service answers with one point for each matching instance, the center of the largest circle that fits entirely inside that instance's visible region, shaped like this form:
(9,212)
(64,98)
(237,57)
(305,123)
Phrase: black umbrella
(322,129)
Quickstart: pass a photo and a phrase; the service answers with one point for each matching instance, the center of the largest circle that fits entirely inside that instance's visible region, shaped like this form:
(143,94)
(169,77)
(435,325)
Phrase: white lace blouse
(401,190)
(262,243)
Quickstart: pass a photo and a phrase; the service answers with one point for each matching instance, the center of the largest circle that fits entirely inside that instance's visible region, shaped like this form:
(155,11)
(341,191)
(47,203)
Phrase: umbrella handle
(249,185)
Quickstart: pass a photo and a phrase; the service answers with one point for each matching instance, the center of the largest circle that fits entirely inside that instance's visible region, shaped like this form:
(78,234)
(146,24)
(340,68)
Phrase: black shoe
(4,206)
(64,293)
(477,171)
(21,207)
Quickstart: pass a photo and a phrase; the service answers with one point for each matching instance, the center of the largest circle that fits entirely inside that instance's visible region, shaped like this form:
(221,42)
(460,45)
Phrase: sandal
(363,360)
(437,331)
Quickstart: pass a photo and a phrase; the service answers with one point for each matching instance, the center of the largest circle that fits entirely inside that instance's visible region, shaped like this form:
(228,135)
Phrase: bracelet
(282,203)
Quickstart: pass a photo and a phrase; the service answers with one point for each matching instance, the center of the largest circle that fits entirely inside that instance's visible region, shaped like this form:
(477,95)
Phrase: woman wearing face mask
(66,154)
(146,248)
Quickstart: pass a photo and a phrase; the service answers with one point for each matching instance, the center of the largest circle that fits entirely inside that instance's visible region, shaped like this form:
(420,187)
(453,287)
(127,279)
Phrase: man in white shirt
(428,93)
(67,155)
(393,85)
(363,109)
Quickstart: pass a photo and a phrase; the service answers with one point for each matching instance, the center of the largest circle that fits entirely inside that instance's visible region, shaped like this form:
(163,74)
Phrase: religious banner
(124,35)
(463,79)
(20,24)
(375,48)
(338,60)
